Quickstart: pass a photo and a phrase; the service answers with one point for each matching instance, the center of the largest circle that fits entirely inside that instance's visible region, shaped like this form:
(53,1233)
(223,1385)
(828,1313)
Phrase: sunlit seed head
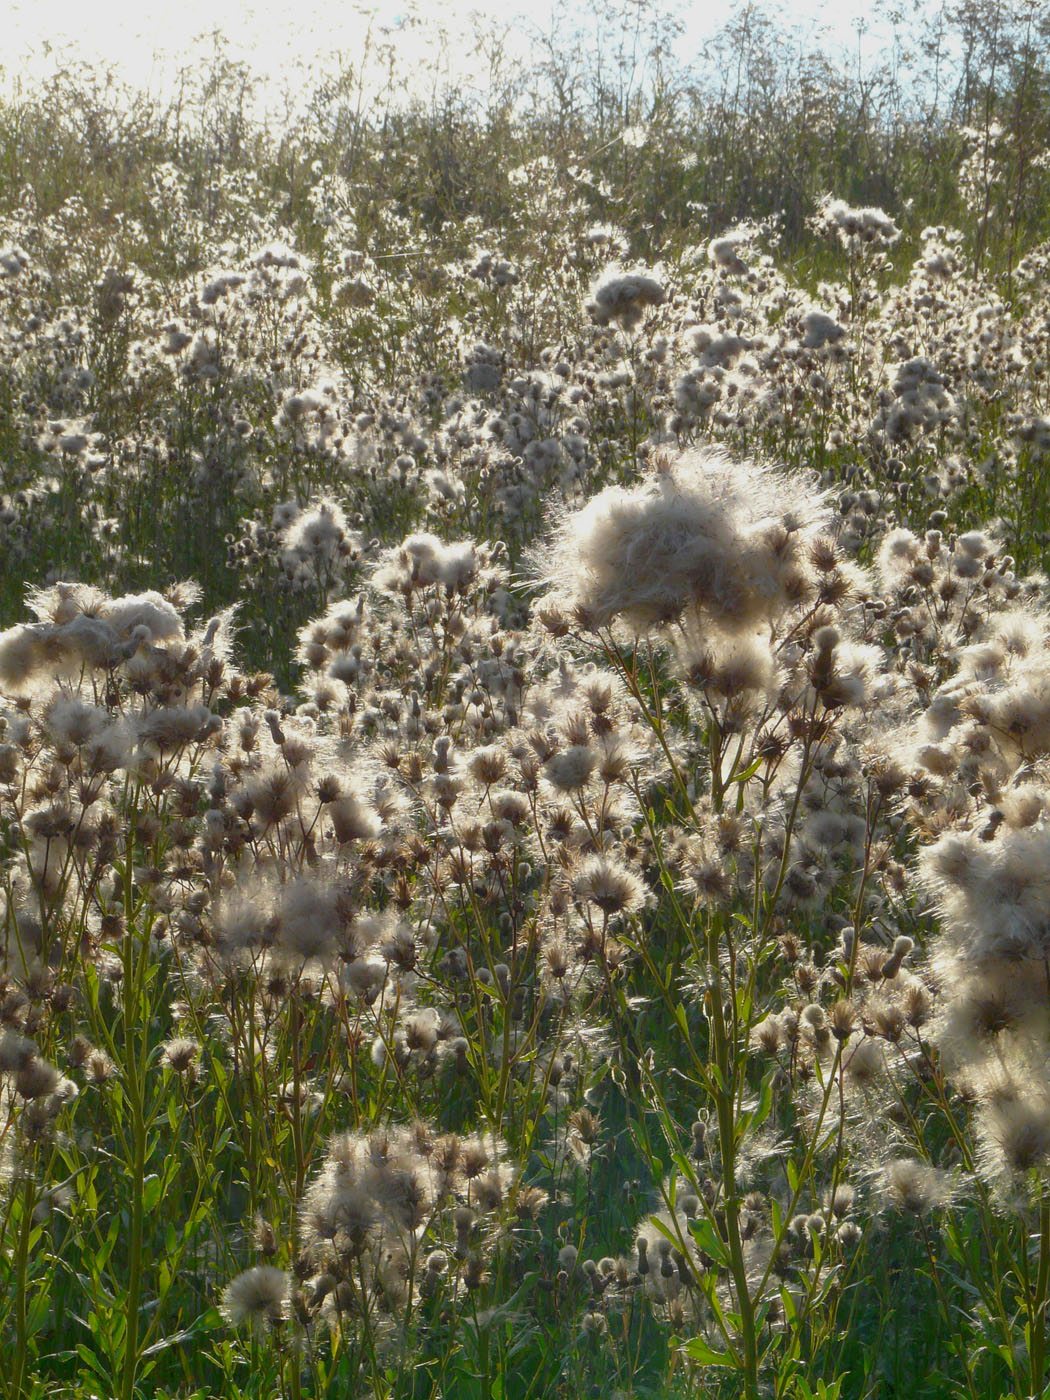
(258,1296)
(915,1187)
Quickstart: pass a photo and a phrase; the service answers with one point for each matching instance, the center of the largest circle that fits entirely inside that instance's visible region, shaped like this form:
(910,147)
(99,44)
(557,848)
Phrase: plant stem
(131,1307)
(25,1230)
(722,1054)
(1037,1311)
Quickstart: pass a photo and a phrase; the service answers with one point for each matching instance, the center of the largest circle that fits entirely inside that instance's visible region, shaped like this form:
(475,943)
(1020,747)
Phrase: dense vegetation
(525,731)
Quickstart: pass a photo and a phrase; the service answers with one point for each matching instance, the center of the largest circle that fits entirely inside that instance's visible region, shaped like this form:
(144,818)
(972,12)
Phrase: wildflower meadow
(525,730)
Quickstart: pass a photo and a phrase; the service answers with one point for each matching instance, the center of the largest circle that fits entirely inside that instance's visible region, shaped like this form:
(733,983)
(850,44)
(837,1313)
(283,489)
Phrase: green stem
(1037,1326)
(722,1052)
(25,1230)
(131,1307)
(136,953)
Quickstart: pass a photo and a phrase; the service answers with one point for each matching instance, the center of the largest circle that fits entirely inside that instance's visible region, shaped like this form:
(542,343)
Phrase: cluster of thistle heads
(566,728)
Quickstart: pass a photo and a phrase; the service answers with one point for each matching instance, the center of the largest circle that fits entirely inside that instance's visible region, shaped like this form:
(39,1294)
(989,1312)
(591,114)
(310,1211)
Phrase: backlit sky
(146,41)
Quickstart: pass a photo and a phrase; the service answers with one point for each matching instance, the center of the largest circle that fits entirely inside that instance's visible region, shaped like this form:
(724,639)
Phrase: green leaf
(776,1216)
(87,1193)
(754,1119)
(174,1340)
(105,1249)
(709,1240)
(91,1360)
(748,772)
(699,1350)
(39,1310)
(210,1321)
(152,1190)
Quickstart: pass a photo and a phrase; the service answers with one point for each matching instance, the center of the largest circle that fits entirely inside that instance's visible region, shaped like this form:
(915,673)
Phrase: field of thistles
(525,749)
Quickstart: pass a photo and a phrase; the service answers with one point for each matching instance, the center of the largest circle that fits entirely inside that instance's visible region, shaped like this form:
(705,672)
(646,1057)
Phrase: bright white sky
(146,41)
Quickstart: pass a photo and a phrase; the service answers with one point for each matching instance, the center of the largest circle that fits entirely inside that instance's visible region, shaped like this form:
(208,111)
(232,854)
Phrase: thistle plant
(523,752)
